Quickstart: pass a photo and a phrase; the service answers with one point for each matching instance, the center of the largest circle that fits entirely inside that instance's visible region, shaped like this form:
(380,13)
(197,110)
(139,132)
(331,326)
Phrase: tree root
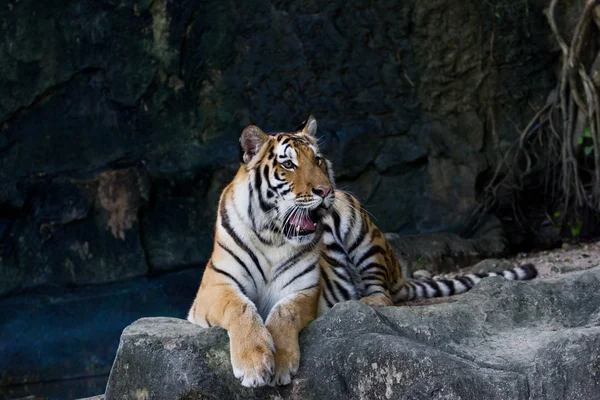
(561,142)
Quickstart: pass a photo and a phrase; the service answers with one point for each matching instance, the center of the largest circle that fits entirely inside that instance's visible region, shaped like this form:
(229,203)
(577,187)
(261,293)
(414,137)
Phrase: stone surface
(414,101)
(440,253)
(79,232)
(60,343)
(503,340)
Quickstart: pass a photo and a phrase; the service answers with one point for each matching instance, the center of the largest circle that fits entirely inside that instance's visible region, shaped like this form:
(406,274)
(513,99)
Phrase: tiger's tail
(443,287)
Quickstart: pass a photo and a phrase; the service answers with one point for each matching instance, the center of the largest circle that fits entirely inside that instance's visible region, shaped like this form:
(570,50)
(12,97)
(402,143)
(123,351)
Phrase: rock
(422,274)
(179,228)
(502,340)
(447,252)
(405,105)
(52,335)
(488,265)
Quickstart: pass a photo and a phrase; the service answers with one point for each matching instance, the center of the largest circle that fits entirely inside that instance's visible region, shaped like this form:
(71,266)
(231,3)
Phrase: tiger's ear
(311,126)
(252,140)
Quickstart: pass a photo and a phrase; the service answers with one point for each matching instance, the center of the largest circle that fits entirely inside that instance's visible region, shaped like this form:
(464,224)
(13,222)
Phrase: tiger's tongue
(303,222)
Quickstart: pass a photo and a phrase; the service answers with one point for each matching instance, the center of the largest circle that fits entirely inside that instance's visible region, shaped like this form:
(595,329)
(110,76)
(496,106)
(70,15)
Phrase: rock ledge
(503,340)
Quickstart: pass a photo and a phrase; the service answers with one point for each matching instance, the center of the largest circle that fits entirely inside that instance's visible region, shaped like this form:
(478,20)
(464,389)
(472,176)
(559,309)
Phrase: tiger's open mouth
(301,224)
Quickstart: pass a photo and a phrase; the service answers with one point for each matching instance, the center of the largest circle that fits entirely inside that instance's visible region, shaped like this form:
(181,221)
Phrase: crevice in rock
(62,379)
(188,27)
(46,94)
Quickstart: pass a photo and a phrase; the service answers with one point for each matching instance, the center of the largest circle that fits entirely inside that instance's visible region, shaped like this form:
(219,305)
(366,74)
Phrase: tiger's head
(290,180)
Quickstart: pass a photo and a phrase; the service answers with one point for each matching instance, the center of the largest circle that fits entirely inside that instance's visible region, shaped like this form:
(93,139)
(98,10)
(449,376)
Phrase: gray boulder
(503,340)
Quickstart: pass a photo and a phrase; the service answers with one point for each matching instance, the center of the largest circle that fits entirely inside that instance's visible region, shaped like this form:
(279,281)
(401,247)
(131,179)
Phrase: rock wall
(119,120)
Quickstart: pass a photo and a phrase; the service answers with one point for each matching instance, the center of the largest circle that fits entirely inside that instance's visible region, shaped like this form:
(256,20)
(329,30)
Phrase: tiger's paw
(286,366)
(252,359)
(377,301)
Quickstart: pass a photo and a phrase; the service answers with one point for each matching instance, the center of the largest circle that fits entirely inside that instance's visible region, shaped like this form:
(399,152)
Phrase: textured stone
(447,252)
(79,232)
(49,336)
(502,340)
(405,96)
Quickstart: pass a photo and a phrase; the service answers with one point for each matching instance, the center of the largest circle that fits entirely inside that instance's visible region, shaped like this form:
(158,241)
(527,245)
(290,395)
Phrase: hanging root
(561,142)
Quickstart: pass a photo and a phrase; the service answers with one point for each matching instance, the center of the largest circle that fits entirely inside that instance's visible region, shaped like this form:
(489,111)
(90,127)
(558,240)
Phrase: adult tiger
(288,247)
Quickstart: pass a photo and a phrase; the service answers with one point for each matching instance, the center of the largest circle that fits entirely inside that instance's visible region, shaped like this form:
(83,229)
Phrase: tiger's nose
(322,191)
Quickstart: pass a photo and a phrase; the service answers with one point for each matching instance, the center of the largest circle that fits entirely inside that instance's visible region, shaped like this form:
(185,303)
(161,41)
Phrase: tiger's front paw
(287,362)
(252,358)
(377,301)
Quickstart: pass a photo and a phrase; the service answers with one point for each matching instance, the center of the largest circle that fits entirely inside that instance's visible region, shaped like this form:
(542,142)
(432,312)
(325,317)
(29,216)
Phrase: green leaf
(557,214)
(587,132)
(587,150)
(579,140)
(576,230)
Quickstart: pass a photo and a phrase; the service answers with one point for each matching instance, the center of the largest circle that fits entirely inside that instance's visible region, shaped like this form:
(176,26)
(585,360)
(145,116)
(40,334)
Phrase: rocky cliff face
(119,120)
(503,340)
(119,123)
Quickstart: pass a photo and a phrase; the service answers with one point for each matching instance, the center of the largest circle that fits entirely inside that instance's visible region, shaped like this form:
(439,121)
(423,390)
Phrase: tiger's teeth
(298,228)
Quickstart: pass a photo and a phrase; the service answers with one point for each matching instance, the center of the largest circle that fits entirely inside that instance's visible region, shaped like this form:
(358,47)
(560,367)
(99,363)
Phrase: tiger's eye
(288,164)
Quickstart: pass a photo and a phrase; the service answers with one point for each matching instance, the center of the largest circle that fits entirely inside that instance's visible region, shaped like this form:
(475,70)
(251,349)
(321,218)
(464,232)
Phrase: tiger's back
(358,263)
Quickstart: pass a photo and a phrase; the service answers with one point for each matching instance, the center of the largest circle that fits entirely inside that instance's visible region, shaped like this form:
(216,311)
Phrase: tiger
(288,246)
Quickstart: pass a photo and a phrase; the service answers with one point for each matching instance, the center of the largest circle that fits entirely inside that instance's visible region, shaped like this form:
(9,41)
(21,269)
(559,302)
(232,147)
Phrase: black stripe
(335,247)
(358,240)
(340,276)
(369,266)
(329,259)
(308,287)
(227,226)
(375,274)
(250,201)
(345,294)
(411,292)
(351,219)
(465,281)
(239,261)
(220,271)
(289,263)
(329,287)
(300,274)
(450,285)
(262,239)
(336,224)
(258,184)
(371,252)
(436,288)
(510,275)
(377,291)
(266,174)
(530,271)
(423,289)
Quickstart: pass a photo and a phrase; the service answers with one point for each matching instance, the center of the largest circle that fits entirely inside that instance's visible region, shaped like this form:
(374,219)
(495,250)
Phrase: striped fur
(262,280)
(358,263)
(287,248)
(442,287)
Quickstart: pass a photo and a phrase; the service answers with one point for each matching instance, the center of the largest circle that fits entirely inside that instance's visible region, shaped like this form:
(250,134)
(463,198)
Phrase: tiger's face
(293,181)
